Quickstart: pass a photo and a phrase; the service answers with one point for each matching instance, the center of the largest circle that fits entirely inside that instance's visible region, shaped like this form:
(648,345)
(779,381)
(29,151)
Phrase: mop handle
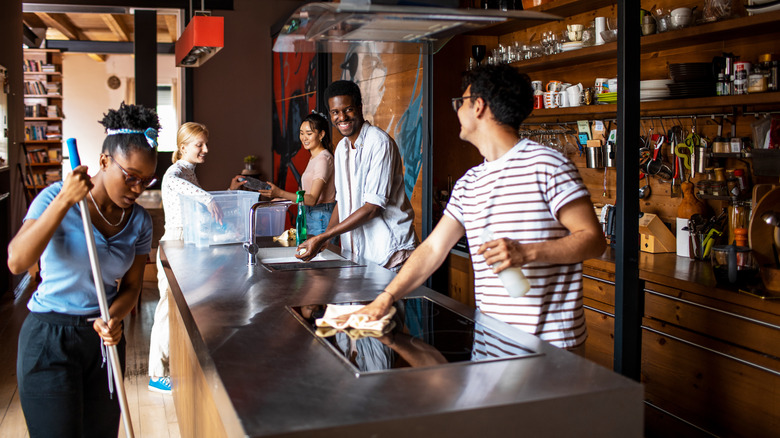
(113,352)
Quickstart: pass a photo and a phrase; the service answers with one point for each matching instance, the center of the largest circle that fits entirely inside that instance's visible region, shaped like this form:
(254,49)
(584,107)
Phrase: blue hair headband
(149,133)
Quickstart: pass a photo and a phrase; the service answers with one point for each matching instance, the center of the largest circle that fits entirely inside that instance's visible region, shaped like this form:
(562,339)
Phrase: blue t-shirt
(66,273)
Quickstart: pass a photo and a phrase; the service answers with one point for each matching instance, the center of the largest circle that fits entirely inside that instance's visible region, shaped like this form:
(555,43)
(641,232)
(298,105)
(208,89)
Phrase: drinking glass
(478,51)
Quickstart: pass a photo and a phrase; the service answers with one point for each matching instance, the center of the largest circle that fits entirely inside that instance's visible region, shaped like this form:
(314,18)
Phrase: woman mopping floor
(62,378)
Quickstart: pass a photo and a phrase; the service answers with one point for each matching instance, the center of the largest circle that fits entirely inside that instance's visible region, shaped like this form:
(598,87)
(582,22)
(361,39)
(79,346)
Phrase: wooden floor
(153,414)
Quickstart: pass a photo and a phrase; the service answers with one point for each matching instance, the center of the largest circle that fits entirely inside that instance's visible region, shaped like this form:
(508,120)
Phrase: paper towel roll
(683,237)
(601,25)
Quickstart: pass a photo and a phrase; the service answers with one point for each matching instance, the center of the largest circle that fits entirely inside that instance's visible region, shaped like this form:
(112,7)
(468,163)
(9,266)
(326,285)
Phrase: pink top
(321,167)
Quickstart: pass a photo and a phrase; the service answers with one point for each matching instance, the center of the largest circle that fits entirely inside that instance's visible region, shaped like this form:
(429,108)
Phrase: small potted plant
(249,162)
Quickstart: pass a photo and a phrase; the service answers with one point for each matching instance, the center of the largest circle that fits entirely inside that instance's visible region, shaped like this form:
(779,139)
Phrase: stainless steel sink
(283,259)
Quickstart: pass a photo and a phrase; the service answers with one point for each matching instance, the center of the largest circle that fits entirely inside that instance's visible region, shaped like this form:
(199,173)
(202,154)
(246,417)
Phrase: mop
(114,367)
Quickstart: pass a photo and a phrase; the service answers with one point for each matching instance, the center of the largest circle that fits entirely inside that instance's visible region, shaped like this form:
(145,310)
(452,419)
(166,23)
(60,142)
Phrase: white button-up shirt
(371,171)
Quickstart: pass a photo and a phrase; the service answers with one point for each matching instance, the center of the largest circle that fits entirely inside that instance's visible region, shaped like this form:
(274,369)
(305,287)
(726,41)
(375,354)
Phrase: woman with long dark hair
(317,180)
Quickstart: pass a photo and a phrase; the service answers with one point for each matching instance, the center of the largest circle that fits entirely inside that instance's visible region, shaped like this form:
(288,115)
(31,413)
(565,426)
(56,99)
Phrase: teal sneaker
(160,384)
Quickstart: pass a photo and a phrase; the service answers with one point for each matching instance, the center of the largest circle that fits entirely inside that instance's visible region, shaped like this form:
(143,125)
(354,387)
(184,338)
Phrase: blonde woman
(179,179)
(317,180)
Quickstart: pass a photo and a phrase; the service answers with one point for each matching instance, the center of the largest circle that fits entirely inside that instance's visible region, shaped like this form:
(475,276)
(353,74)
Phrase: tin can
(601,86)
(741,73)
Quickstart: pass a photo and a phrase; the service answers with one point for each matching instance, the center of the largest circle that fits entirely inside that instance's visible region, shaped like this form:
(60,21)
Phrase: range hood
(335,27)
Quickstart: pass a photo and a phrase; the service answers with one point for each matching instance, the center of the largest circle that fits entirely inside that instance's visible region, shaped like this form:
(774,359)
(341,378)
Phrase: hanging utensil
(113,353)
(644,191)
(654,165)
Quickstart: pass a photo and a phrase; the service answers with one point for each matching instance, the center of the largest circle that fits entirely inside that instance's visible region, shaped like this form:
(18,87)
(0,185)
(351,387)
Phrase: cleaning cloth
(335,317)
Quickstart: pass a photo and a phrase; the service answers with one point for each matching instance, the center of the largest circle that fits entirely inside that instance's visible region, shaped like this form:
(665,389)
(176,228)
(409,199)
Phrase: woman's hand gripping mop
(113,365)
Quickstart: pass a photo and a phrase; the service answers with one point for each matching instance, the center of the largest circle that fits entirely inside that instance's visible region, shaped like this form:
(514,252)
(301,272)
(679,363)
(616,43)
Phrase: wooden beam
(117,26)
(63,24)
(171,23)
(98,57)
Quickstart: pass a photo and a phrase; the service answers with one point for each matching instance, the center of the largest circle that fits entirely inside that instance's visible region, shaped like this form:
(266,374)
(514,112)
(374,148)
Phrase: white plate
(654,83)
(753,10)
(643,94)
(758,3)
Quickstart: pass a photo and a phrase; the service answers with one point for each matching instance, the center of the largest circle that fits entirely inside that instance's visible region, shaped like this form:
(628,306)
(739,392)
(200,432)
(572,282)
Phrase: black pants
(63,384)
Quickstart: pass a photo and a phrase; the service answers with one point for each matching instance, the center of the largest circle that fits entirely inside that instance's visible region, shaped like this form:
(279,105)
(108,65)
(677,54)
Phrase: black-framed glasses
(132,180)
(457,102)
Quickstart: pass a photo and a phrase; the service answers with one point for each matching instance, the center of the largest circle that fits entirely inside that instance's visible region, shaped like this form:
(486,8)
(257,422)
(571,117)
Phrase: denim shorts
(318,217)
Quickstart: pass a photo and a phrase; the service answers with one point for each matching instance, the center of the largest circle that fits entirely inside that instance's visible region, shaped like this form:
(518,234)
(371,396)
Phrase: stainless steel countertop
(271,377)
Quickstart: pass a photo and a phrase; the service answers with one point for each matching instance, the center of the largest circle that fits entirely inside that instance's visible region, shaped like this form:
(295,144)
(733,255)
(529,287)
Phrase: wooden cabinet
(710,363)
(710,357)
(460,278)
(42,145)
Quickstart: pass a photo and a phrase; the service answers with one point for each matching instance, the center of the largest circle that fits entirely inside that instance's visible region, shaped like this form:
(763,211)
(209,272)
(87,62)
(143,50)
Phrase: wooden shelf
(37,159)
(691,106)
(752,26)
(42,119)
(738,27)
(562,8)
(43,96)
(43,142)
(573,57)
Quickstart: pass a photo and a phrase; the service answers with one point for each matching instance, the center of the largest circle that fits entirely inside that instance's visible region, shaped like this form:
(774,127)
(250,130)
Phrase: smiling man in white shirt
(373,216)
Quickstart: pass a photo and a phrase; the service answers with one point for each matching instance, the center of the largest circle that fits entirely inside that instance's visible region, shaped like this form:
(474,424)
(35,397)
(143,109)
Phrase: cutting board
(761,235)
(759,190)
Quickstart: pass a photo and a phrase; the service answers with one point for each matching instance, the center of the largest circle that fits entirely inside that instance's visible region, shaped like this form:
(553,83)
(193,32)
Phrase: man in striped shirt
(534,202)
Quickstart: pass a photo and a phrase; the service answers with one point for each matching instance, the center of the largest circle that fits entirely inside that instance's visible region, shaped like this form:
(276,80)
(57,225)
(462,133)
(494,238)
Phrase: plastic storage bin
(269,221)
(203,230)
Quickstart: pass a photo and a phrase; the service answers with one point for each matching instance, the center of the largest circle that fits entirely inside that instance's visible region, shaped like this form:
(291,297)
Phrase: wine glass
(478,51)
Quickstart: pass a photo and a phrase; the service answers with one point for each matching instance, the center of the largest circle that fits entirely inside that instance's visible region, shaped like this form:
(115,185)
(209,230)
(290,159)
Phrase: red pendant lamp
(203,37)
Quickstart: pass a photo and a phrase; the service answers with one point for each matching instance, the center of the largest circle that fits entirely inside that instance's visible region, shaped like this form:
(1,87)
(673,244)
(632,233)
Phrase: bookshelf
(42,145)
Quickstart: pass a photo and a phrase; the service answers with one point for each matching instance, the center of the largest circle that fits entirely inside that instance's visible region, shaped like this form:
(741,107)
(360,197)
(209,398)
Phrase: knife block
(655,237)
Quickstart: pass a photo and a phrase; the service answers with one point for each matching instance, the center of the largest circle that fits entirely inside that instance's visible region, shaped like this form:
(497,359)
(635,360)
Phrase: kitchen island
(244,364)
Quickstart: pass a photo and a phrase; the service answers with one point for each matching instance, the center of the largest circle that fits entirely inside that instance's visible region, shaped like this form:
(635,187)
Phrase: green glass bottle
(300,221)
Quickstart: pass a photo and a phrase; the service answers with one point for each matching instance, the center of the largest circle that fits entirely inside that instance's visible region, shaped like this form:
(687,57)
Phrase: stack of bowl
(681,17)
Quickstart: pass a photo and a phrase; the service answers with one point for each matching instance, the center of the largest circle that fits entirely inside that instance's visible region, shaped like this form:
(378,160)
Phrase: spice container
(757,83)
(741,73)
(769,69)
(742,180)
(702,187)
(732,185)
(723,86)
(739,216)
(718,188)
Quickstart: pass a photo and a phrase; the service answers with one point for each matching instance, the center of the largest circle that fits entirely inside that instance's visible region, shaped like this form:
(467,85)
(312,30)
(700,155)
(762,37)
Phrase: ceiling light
(203,37)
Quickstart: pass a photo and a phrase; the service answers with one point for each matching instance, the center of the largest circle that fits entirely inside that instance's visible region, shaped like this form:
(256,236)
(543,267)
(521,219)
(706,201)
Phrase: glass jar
(741,177)
(722,87)
(757,82)
(768,66)
(701,187)
(739,216)
(589,36)
(718,188)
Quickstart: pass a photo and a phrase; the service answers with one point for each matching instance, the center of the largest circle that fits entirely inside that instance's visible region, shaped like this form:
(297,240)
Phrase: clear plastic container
(513,278)
(269,221)
(201,229)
